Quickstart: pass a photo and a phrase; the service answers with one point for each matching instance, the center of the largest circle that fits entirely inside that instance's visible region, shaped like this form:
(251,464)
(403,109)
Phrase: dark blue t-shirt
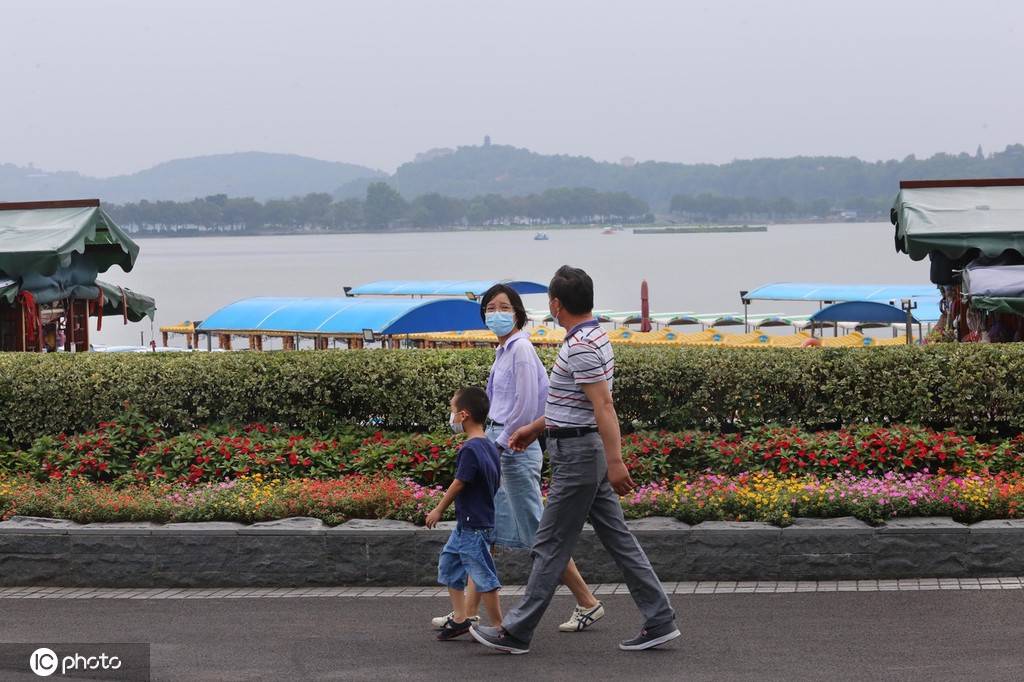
(478,466)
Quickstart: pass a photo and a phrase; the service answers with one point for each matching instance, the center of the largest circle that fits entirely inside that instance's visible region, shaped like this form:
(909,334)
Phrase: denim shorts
(468,553)
(517,504)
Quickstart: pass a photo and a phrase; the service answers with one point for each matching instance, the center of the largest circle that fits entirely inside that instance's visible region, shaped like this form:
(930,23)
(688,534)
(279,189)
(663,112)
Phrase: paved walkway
(680,588)
(915,630)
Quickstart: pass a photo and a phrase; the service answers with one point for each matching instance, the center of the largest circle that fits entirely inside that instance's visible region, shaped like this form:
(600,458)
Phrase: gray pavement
(890,635)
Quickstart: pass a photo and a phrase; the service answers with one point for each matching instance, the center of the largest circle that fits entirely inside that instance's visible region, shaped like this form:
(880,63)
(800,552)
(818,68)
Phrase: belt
(570,432)
(491,422)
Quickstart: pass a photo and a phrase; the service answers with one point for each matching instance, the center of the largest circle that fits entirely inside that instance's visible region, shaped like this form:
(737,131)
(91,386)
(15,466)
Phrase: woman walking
(518,388)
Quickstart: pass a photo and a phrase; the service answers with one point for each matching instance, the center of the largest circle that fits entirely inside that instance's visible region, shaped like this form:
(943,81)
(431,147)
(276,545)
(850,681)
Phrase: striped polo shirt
(585,358)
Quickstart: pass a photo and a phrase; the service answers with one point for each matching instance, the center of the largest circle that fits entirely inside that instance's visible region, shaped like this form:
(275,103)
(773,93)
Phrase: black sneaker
(451,629)
(499,640)
(648,639)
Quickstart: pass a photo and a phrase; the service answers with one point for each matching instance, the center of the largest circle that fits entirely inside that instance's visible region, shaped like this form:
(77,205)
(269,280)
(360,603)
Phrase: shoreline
(672,228)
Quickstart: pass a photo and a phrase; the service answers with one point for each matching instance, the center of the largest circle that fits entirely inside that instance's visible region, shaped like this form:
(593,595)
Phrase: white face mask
(554,314)
(456,427)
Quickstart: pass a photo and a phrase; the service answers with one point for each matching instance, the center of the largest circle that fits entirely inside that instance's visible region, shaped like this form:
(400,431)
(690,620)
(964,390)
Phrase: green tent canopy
(40,237)
(996,304)
(140,306)
(957,216)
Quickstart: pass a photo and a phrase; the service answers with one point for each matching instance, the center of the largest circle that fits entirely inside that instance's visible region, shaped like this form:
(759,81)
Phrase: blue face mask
(501,323)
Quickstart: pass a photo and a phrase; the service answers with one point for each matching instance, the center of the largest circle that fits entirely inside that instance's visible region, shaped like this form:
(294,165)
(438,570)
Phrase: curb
(301,552)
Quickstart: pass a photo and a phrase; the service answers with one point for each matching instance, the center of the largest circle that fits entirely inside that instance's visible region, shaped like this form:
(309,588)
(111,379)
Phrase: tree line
(476,170)
(708,207)
(383,208)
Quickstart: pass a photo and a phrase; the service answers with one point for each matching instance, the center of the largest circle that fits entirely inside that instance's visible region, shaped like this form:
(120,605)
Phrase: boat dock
(700,229)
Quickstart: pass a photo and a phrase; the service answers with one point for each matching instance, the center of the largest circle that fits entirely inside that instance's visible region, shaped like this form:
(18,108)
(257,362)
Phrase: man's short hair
(574,289)
(474,400)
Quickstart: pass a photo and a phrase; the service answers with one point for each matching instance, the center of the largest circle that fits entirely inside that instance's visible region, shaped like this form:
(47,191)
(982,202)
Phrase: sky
(106,87)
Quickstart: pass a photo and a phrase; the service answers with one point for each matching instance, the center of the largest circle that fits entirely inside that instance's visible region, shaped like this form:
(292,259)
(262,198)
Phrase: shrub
(315,390)
(973,388)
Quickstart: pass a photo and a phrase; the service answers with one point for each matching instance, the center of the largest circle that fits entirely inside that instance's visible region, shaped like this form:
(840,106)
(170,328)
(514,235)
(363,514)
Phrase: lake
(191,277)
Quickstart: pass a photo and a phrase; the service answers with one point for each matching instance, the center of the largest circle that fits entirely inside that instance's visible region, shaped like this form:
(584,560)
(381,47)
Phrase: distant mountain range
(247,174)
(473,171)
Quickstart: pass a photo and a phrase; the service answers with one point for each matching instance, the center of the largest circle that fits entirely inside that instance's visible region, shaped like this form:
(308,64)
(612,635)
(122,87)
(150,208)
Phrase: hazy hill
(247,174)
(475,171)
(510,171)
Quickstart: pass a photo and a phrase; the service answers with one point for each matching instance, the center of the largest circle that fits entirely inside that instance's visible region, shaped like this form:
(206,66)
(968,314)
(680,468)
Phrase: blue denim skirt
(517,504)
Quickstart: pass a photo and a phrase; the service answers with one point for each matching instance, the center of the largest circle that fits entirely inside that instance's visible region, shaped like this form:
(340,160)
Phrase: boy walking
(468,550)
(587,477)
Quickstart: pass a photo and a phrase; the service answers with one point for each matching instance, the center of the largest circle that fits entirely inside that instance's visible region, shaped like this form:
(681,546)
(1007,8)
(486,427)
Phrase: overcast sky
(108,87)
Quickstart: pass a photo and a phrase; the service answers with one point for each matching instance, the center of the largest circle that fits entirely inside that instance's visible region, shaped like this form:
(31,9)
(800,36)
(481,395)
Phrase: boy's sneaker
(499,640)
(441,621)
(648,639)
(582,618)
(451,629)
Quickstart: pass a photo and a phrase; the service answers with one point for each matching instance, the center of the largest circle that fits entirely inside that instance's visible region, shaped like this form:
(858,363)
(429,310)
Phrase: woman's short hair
(513,298)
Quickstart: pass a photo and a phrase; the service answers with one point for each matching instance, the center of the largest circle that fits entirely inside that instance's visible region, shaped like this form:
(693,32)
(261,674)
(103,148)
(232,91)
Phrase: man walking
(587,477)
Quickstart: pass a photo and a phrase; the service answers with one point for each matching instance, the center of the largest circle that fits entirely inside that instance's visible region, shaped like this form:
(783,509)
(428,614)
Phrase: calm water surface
(192,277)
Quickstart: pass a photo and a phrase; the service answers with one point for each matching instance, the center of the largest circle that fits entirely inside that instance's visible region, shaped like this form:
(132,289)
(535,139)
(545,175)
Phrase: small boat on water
(609,230)
(540,237)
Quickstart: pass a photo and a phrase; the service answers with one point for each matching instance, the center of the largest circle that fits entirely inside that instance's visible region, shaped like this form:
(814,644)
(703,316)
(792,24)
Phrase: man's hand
(619,477)
(432,518)
(525,435)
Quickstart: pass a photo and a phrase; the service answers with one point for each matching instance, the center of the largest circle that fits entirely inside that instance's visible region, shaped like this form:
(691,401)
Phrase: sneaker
(451,629)
(499,640)
(582,618)
(441,621)
(648,639)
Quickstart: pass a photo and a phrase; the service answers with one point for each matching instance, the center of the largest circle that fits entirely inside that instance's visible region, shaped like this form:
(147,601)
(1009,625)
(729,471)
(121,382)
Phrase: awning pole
(908,305)
(746,318)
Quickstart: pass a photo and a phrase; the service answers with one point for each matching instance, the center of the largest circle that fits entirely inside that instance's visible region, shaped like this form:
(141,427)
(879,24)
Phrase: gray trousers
(580,490)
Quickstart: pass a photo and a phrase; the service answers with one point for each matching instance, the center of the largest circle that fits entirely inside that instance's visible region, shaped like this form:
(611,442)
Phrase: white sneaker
(440,621)
(582,618)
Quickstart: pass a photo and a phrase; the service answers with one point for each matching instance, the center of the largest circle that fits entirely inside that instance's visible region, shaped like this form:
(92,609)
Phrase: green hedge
(971,388)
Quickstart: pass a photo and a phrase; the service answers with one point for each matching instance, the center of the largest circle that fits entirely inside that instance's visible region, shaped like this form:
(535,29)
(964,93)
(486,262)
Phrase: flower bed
(247,500)
(130,469)
(761,496)
(131,447)
(769,497)
(860,450)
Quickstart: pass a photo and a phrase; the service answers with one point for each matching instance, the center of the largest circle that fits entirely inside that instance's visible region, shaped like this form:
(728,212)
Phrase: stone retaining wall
(301,551)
